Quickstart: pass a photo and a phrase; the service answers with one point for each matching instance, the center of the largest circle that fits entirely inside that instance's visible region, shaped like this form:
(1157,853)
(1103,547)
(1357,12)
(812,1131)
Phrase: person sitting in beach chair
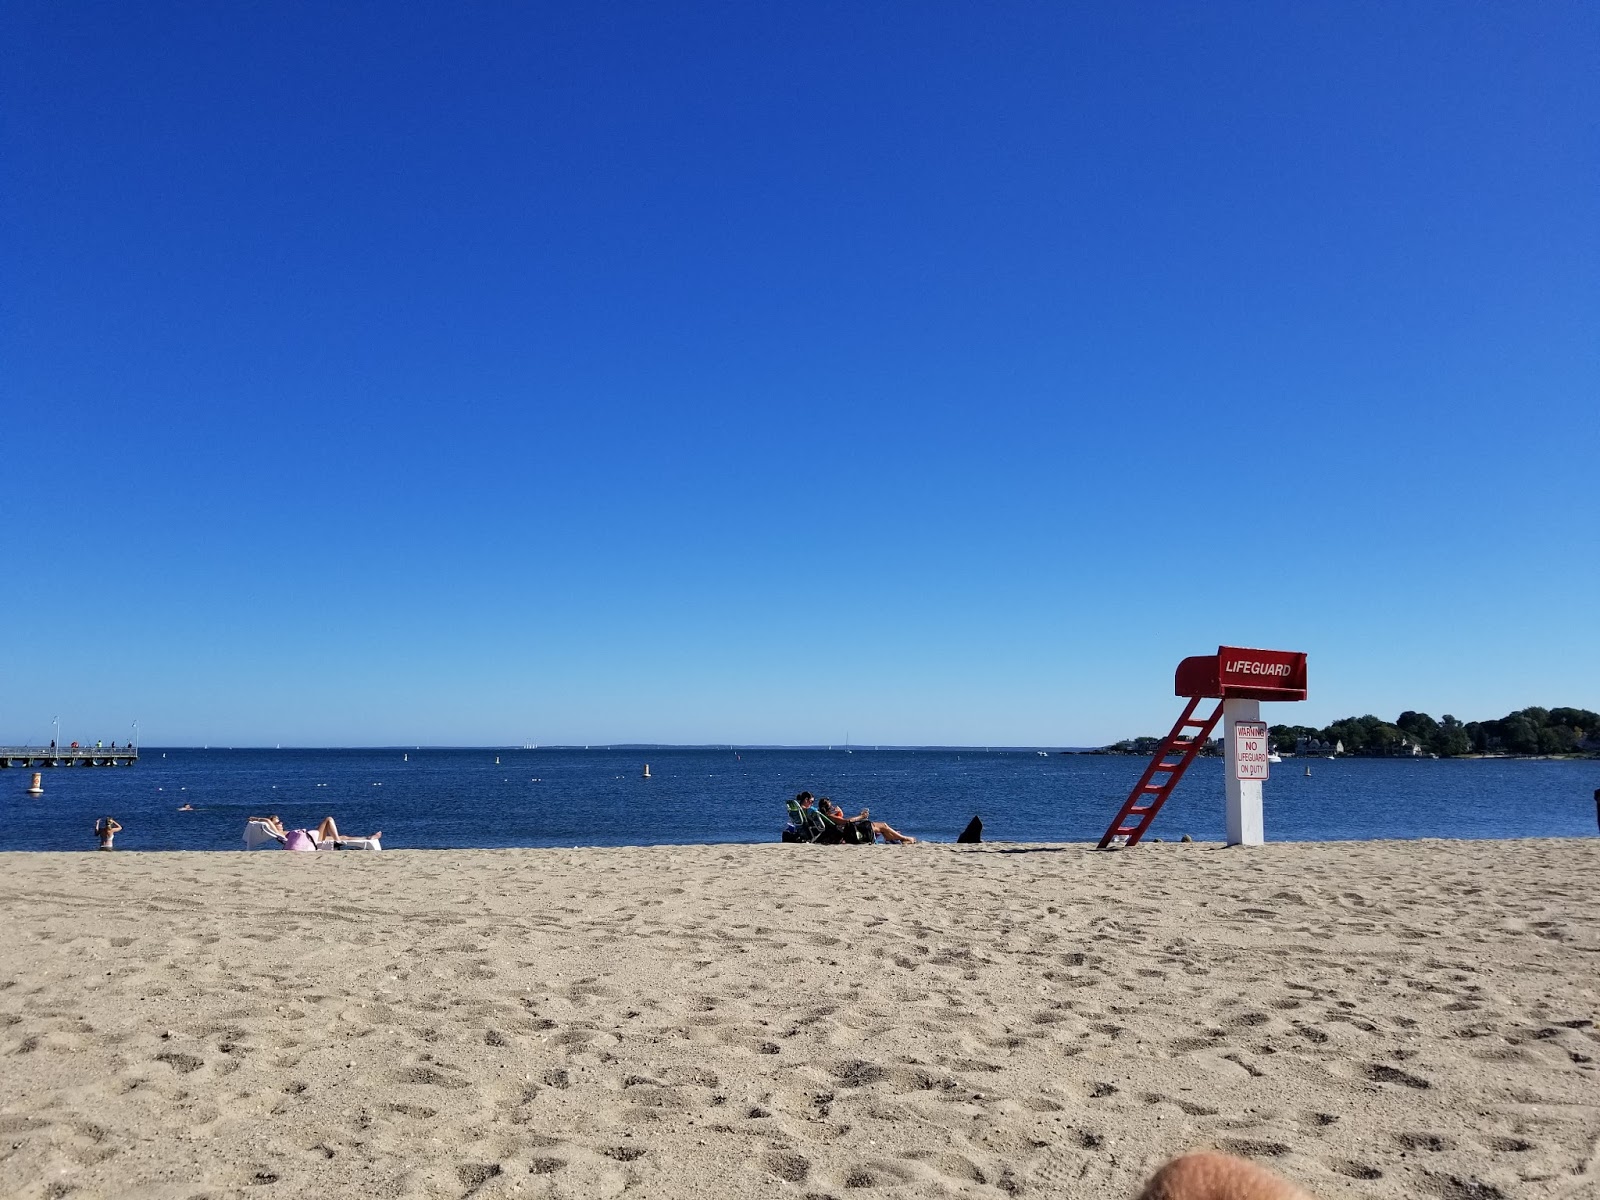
(806,823)
(860,829)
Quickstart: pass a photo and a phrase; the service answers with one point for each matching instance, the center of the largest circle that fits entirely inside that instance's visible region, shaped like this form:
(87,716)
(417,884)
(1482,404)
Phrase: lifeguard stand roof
(1239,673)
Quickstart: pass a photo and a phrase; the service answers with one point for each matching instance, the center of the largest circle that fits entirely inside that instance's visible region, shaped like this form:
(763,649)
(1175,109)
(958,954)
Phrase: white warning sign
(1250,749)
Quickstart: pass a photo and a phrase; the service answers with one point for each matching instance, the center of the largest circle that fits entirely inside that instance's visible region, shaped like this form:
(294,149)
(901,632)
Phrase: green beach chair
(811,825)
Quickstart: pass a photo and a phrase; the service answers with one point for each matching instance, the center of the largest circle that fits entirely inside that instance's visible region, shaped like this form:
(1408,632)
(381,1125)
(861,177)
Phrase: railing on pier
(68,756)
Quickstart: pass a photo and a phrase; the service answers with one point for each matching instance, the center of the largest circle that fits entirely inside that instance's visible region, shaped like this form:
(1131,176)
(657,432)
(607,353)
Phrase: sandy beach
(1377,1019)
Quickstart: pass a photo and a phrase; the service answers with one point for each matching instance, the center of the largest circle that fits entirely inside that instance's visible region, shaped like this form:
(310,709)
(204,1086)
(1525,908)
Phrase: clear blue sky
(935,373)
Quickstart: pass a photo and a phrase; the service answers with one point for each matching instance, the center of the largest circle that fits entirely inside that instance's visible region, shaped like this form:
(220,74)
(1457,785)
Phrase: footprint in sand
(1355,1170)
(1379,1073)
(788,1166)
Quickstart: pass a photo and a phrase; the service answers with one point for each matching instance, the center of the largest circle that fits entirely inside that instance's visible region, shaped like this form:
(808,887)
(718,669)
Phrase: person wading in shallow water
(105,829)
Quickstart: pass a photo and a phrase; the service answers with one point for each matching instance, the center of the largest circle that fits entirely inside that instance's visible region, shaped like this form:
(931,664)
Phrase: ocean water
(463,798)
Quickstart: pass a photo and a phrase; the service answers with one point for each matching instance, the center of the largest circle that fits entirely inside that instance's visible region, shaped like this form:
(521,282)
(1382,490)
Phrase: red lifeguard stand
(1238,679)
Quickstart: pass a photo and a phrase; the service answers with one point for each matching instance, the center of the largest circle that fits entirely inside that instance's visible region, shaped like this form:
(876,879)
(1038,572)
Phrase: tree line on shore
(1526,731)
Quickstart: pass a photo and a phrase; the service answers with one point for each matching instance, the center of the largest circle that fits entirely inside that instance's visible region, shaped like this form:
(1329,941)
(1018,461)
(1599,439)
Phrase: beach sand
(1378,1019)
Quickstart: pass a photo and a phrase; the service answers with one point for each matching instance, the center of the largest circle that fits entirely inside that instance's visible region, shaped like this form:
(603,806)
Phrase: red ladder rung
(1174,744)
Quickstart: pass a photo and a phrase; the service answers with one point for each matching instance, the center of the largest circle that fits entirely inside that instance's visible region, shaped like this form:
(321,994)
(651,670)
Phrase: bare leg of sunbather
(889,834)
(328,831)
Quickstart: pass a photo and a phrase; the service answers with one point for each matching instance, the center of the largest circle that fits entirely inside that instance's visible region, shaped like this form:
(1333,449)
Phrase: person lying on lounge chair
(269,832)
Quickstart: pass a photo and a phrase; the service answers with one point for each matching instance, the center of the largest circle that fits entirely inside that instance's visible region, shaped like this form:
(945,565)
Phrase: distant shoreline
(1111,751)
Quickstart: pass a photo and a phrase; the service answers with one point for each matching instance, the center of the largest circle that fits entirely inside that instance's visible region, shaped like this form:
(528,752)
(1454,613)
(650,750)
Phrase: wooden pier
(73,756)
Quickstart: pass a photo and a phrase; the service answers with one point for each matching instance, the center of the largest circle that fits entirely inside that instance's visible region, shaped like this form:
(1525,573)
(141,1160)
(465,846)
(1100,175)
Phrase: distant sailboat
(646,771)
(1308,770)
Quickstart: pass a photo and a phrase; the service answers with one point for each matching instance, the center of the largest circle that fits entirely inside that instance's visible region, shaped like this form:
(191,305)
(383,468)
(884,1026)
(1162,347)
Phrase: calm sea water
(462,798)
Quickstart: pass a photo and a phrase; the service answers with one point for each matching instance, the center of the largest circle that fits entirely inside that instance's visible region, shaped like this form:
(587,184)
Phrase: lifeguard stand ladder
(1232,674)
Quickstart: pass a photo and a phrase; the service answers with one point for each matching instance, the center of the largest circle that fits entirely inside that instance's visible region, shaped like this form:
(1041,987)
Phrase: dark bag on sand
(791,834)
(973,833)
(859,833)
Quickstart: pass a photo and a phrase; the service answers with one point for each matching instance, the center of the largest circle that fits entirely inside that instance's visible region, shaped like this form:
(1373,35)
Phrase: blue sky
(940,373)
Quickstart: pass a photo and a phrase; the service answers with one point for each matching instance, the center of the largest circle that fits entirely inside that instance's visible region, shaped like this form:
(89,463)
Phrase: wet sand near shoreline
(1375,1019)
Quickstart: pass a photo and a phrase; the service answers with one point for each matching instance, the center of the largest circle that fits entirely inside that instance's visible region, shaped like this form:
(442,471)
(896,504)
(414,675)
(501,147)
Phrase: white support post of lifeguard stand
(1246,826)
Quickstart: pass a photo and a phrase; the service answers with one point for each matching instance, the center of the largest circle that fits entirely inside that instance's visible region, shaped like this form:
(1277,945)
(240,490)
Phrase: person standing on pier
(105,829)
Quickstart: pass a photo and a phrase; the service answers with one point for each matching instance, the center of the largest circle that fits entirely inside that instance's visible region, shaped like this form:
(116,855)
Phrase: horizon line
(409,747)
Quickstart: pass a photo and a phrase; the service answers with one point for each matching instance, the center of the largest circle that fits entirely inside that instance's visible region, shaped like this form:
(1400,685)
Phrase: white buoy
(1308,771)
(647,771)
(37,787)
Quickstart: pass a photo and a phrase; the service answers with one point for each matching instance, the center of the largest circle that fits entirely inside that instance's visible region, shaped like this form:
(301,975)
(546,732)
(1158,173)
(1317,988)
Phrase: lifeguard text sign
(1250,759)
(1241,668)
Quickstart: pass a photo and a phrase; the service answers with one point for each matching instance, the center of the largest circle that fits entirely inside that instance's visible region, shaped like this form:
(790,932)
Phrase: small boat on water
(646,774)
(1274,757)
